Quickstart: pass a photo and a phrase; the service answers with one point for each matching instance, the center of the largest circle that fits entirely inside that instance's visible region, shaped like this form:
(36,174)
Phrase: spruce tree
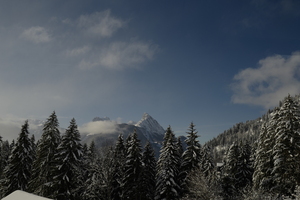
(93,189)
(32,139)
(68,160)
(42,176)
(245,169)
(132,171)
(167,186)
(5,153)
(85,161)
(229,180)
(207,165)
(191,157)
(18,171)
(286,152)
(148,173)
(95,186)
(107,169)
(118,169)
(92,152)
(263,180)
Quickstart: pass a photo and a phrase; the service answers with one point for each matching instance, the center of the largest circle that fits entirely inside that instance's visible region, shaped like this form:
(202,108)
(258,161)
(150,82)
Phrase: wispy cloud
(78,51)
(98,24)
(36,34)
(111,53)
(276,77)
(121,55)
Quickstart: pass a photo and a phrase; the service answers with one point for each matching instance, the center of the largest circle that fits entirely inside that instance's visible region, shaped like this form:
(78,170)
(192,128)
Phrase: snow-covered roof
(18,194)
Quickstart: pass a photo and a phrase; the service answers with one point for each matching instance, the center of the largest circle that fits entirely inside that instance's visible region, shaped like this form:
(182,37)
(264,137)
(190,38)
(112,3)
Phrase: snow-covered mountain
(104,131)
(152,129)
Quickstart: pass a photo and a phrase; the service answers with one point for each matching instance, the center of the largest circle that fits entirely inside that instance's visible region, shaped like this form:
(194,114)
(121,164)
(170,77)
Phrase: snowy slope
(152,128)
(21,195)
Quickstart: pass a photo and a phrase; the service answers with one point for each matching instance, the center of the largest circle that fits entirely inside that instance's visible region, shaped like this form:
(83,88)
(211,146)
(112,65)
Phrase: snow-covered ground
(18,194)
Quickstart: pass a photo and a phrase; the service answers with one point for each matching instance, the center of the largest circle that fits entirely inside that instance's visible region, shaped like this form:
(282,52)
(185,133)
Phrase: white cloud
(120,55)
(78,51)
(100,24)
(275,78)
(111,53)
(36,34)
(98,127)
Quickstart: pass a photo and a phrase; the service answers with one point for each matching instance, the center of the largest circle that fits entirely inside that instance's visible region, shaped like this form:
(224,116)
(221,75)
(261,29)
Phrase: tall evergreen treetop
(118,168)
(192,155)
(18,171)
(167,186)
(68,160)
(148,173)
(133,168)
(42,176)
(286,152)
(51,130)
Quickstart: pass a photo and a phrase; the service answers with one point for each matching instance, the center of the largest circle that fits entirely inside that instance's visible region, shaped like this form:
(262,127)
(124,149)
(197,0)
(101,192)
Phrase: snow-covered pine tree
(96,185)
(85,161)
(4,155)
(68,162)
(263,179)
(207,165)
(32,139)
(11,146)
(92,152)
(179,147)
(118,169)
(230,170)
(93,189)
(148,173)
(106,166)
(286,152)
(245,169)
(42,176)
(132,171)
(261,159)
(18,171)
(191,157)
(167,186)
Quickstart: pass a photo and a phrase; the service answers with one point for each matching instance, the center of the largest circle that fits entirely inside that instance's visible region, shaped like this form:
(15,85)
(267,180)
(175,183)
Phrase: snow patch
(21,195)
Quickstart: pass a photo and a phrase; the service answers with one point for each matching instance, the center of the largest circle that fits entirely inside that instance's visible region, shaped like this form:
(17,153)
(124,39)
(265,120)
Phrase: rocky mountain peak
(150,125)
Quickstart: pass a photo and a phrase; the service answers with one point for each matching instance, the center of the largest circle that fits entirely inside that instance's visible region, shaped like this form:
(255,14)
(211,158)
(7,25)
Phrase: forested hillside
(244,131)
(59,167)
(260,159)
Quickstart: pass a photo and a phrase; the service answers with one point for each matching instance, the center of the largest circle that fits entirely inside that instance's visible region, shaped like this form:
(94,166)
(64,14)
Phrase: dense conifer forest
(259,159)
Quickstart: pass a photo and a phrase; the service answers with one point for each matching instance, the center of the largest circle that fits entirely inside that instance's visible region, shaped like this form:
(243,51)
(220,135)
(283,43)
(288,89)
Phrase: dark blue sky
(215,63)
